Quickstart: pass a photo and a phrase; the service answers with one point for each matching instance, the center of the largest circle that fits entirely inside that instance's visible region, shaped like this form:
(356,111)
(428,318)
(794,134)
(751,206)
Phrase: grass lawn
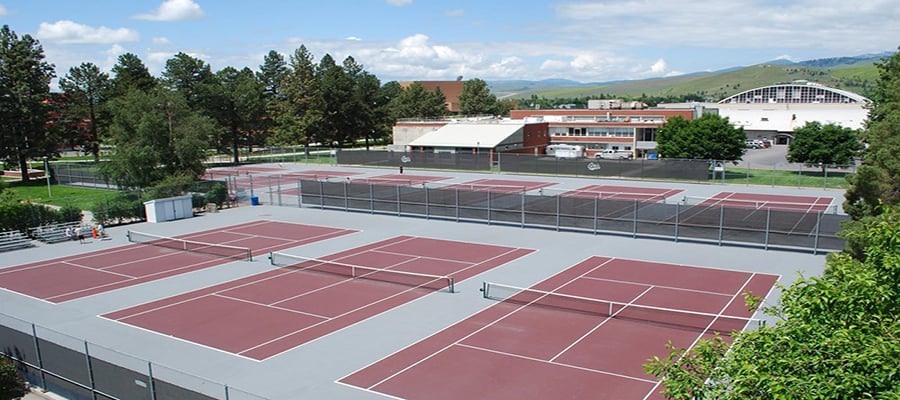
(832,179)
(60,195)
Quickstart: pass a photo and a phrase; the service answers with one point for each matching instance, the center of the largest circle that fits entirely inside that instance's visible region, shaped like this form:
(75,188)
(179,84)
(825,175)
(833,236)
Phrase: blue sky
(587,41)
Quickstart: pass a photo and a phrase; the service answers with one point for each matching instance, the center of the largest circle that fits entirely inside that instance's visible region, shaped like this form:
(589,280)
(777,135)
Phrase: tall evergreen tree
(24,95)
(130,74)
(193,78)
(476,99)
(239,109)
(301,110)
(877,181)
(86,89)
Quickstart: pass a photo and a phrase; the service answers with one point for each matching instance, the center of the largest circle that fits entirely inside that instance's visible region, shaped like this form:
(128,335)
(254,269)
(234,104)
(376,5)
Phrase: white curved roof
(798,92)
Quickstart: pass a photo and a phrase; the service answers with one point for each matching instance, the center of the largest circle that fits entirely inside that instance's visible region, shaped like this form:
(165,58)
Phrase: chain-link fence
(79,370)
(763,226)
(80,174)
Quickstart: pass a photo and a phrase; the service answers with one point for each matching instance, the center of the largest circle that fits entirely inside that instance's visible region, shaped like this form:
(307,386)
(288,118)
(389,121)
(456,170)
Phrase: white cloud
(746,24)
(69,32)
(174,10)
(399,3)
(658,67)
(3,11)
(459,12)
(353,38)
(160,41)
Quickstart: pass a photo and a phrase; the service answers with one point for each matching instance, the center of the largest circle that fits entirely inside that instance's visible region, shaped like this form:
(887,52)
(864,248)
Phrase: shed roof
(469,135)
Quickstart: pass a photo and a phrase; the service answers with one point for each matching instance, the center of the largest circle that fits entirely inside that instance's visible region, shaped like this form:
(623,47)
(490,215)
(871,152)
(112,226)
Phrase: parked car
(753,144)
(614,155)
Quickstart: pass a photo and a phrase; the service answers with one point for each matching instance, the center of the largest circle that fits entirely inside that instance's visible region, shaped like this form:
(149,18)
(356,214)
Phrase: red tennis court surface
(243,170)
(529,348)
(399,179)
(265,314)
(83,275)
(500,185)
(769,201)
(613,192)
(316,175)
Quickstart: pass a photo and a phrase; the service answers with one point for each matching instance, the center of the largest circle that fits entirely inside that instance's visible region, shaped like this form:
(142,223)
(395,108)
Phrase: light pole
(47,175)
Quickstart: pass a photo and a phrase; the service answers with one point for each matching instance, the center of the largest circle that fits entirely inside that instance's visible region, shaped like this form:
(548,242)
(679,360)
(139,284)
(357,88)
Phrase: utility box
(168,209)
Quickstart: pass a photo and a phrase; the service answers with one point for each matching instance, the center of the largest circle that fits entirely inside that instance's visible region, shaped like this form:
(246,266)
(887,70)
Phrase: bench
(14,240)
(54,233)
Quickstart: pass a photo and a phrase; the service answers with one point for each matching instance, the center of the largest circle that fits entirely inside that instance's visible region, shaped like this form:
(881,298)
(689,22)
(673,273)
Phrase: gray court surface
(310,370)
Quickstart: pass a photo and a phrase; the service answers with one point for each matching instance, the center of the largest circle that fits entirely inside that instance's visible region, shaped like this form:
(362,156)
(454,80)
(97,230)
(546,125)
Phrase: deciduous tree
(155,135)
(819,144)
(710,137)
(836,336)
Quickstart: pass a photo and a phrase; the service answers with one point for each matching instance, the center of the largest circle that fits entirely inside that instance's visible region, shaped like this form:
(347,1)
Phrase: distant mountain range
(856,74)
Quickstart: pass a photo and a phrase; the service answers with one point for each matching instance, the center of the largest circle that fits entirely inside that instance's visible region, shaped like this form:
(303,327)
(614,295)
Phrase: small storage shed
(168,209)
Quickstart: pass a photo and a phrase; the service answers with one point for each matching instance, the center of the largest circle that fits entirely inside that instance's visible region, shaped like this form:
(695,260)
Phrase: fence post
(456,194)
(634,216)
(427,211)
(596,213)
(322,194)
(557,214)
(523,209)
(816,238)
(90,371)
(346,197)
(152,383)
(37,351)
(721,222)
(399,211)
(299,194)
(251,184)
(677,212)
(489,206)
(768,219)
(278,186)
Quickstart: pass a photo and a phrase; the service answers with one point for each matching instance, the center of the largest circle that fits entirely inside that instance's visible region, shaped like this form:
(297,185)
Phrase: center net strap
(221,250)
(410,279)
(669,317)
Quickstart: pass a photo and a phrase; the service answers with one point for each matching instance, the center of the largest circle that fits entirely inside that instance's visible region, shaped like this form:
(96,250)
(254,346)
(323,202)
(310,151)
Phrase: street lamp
(47,175)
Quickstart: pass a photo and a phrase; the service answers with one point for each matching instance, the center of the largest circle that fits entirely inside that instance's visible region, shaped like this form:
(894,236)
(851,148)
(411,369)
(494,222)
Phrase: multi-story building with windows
(631,130)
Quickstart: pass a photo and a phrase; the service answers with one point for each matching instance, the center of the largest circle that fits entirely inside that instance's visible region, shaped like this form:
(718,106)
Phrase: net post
(128,235)
(451,284)
(484,290)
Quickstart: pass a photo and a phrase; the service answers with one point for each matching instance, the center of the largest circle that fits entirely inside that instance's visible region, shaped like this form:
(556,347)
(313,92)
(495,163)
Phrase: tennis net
(221,250)
(411,279)
(682,319)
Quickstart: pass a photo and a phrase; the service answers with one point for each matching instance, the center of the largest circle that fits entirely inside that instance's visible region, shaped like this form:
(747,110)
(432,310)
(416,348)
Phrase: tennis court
(265,314)
(615,192)
(399,179)
(585,332)
(808,204)
(744,215)
(77,276)
(499,185)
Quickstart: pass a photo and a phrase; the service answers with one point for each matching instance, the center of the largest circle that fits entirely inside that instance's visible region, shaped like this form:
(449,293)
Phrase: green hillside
(857,78)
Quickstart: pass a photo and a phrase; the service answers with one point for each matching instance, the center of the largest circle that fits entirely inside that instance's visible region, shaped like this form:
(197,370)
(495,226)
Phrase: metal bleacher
(14,240)
(54,233)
